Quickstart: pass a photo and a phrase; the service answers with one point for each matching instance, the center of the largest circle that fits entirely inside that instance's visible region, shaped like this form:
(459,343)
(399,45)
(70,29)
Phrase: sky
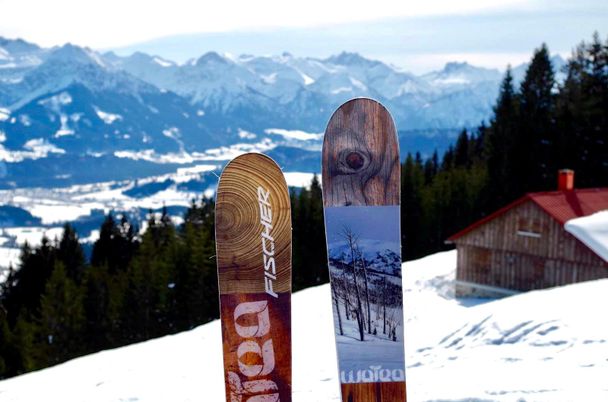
(415,35)
(377,222)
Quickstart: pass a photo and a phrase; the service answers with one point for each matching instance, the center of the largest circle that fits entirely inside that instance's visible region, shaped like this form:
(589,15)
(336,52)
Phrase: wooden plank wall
(496,255)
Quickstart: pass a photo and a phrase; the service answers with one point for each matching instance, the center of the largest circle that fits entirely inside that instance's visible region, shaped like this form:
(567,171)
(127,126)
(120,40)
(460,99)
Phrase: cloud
(114,23)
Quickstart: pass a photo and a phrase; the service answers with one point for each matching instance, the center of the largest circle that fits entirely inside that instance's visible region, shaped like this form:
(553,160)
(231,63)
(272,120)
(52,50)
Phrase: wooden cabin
(524,246)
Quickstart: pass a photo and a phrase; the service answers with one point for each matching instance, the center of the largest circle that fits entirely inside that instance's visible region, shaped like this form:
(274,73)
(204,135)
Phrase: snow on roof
(592,230)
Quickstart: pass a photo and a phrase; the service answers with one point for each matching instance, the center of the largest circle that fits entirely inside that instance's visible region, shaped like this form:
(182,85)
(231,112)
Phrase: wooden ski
(361,197)
(253,247)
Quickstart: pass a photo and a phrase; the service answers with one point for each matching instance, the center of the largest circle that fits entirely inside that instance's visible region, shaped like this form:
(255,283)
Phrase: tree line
(56,305)
(537,128)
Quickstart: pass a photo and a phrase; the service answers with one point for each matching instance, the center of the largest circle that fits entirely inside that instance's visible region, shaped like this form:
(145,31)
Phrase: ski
(253,248)
(361,197)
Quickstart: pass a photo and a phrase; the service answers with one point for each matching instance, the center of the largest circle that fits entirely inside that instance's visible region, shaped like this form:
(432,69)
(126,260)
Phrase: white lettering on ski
(266,353)
(373,374)
(270,270)
(254,390)
(260,308)
(239,389)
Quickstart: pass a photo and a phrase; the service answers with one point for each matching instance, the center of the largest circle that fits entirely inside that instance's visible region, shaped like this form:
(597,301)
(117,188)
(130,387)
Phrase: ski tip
(360,157)
(252,159)
(358,102)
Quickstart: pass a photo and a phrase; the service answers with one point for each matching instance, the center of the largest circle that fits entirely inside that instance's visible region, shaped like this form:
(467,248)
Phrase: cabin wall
(525,249)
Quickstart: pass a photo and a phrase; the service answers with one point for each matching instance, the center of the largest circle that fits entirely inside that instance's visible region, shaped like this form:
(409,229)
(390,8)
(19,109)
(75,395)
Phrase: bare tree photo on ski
(365,268)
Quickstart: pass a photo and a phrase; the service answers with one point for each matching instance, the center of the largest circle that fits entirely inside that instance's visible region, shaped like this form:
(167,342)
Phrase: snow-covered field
(54,206)
(549,345)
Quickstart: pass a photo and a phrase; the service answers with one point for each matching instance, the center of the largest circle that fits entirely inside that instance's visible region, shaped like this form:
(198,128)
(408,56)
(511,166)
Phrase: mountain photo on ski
(364,256)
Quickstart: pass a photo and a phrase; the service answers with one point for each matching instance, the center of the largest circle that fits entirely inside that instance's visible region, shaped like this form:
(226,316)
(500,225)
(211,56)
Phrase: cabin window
(527,233)
(529,227)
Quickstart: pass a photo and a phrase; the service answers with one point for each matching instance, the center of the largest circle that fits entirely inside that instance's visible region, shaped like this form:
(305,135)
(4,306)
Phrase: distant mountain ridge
(73,102)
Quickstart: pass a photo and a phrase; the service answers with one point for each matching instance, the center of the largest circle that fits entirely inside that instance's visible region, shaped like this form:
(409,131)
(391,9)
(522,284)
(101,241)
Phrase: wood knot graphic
(355,160)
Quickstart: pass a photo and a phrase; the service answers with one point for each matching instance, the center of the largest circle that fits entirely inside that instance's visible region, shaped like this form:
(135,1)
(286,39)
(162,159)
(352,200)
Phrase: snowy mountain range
(378,256)
(65,110)
(532,347)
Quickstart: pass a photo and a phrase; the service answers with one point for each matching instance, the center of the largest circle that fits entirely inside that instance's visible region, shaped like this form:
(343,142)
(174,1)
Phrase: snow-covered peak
(17,56)
(71,54)
(17,46)
(210,59)
(351,59)
(461,74)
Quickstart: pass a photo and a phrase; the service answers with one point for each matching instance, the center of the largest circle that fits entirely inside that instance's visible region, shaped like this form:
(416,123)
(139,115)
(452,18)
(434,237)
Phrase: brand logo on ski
(374,374)
(270,269)
(255,389)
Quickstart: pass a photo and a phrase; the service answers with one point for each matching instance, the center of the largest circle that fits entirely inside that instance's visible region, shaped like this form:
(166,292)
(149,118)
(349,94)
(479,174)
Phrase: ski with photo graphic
(361,196)
(253,248)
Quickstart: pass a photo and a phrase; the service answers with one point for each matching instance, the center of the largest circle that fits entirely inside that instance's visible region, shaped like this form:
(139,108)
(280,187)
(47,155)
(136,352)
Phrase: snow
(269,78)
(172,133)
(307,79)
(162,62)
(214,154)
(33,235)
(341,90)
(25,120)
(452,81)
(185,174)
(294,134)
(56,101)
(64,130)
(51,213)
(246,135)
(107,117)
(592,230)
(8,256)
(299,179)
(92,238)
(535,346)
(34,149)
(4,114)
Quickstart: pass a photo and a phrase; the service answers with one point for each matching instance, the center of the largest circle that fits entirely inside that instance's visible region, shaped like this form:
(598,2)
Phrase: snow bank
(592,230)
(299,179)
(549,345)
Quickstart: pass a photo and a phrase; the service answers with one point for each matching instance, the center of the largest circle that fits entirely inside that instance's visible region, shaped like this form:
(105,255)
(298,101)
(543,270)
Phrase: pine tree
(462,156)
(150,297)
(62,319)
(308,243)
(116,245)
(412,215)
(25,285)
(500,147)
(70,253)
(535,140)
(196,276)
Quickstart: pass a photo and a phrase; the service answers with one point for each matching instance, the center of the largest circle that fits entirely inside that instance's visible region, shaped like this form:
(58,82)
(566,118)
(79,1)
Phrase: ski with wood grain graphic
(361,197)
(253,248)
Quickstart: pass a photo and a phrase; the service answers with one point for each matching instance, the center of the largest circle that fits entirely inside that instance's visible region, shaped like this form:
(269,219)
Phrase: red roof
(560,205)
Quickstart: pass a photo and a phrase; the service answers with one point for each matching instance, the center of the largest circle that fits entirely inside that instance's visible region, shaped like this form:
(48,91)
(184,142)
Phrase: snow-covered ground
(549,345)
